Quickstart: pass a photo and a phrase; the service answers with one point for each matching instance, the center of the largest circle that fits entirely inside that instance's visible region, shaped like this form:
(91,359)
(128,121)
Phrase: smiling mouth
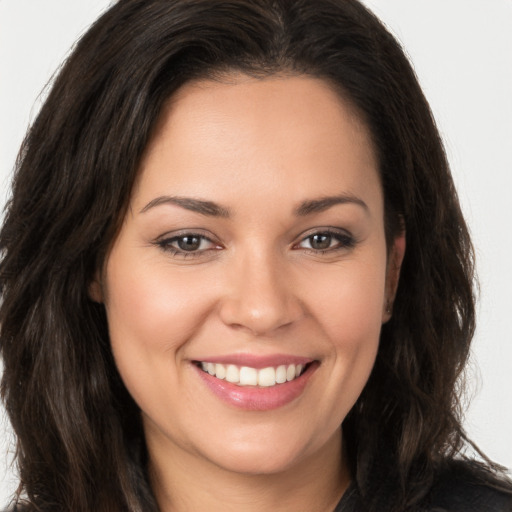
(248,376)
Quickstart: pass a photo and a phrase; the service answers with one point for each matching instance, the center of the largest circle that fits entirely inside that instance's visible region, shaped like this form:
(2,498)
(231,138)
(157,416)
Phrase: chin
(269,452)
(257,460)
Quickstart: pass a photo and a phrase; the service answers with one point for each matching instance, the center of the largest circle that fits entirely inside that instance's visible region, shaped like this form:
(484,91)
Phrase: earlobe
(395,259)
(95,289)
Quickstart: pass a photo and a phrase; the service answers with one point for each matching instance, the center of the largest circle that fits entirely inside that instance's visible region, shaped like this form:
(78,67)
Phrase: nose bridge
(260,296)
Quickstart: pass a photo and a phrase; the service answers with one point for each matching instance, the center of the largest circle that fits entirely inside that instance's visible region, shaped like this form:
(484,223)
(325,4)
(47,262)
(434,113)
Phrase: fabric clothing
(455,491)
(461,500)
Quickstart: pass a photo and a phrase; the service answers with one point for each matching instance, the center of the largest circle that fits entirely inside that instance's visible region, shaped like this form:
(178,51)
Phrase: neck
(183,482)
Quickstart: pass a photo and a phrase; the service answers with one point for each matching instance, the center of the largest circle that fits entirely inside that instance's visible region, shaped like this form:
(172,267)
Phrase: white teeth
(220,371)
(233,374)
(267,377)
(281,374)
(247,376)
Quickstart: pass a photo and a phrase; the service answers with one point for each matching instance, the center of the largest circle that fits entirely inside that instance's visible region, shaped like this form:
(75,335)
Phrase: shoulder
(463,487)
(457,487)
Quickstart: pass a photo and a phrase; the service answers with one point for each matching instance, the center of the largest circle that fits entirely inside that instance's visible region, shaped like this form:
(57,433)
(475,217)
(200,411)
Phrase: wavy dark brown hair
(80,445)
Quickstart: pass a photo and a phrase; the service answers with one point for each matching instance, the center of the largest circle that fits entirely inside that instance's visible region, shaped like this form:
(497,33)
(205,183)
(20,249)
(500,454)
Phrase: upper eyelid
(324,229)
(170,235)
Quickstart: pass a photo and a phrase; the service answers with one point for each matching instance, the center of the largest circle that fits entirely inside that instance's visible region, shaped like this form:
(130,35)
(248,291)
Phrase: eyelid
(164,242)
(347,240)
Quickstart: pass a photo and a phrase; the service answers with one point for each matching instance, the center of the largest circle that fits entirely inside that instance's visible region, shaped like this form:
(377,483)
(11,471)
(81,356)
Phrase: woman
(235,272)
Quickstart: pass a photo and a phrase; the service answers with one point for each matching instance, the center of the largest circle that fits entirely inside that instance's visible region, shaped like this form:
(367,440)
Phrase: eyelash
(344,241)
(165,245)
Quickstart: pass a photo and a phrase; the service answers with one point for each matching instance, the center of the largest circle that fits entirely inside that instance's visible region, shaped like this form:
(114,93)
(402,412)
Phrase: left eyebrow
(324,203)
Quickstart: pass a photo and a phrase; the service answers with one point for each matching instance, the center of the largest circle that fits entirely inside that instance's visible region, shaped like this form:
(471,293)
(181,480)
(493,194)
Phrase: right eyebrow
(207,208)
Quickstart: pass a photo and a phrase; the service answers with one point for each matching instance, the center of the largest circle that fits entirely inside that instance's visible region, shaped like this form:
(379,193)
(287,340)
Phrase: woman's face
(247,287)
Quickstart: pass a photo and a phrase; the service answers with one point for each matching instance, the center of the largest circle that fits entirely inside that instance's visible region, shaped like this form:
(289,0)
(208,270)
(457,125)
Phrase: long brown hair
(80,441)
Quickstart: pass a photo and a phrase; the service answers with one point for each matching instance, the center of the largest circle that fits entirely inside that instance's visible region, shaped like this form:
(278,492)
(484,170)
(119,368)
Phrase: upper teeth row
(247,376)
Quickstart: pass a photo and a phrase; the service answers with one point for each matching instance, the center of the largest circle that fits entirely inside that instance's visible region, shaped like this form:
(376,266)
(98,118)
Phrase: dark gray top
(455,491)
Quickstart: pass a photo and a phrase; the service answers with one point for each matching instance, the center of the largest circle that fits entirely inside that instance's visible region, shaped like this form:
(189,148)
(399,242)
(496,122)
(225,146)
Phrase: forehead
(288,133)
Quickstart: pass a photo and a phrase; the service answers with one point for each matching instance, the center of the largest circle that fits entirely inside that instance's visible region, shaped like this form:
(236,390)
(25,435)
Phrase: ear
(395,259)
(95,289)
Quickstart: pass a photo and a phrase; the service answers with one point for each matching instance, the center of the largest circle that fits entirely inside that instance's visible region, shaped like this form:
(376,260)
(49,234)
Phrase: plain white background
(462,53)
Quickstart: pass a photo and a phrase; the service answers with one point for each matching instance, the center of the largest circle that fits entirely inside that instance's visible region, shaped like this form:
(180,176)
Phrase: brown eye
(320,241)
(327,241)
(189,243)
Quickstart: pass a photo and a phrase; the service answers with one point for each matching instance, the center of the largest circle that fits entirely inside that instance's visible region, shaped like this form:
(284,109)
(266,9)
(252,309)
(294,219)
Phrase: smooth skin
(230,247)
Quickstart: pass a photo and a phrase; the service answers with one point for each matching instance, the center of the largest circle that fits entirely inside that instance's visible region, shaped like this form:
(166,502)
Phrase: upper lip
(256,361)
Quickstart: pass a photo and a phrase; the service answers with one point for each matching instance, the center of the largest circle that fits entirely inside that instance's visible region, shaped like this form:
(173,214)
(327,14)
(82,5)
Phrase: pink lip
(254,398)
(256,361)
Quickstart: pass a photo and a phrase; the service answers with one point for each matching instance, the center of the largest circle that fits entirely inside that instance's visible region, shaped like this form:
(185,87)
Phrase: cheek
(151,307)
(150,317)
(349,302)
(349,309)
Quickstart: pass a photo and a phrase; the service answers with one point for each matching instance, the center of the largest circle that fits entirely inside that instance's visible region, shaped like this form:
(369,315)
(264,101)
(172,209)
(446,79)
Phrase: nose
(260,296)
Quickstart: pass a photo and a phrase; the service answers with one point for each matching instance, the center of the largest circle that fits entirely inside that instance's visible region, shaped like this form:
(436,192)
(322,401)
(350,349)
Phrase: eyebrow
(207,208)
(211,209)
(324,203)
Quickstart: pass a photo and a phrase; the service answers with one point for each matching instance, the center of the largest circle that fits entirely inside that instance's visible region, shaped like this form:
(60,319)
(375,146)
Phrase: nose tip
(260,300)
(258,320)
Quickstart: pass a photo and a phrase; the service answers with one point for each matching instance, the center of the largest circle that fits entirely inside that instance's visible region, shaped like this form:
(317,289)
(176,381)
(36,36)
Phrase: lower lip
(252,398)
